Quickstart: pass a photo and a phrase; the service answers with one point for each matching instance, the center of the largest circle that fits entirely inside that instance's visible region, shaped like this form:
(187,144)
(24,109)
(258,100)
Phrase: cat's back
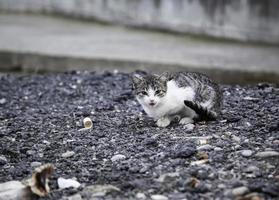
(192,79)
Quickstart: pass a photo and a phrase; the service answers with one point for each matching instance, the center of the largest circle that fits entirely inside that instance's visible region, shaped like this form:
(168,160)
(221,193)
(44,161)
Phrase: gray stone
(67,183)
(14,190)
(31,152)
(158,197)
(205,147)
(3,101)
(140,195)
(36,164)
(73,197)
(252,171)
(189,127)
(240,191)
(99,190)
(265,154)
(118,157)
(246,153)
(218,149)
(3,160)
(236,138)
(167,177)
(68,154)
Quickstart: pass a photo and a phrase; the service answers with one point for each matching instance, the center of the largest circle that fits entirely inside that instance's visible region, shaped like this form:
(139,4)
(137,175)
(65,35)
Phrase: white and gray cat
(186,96)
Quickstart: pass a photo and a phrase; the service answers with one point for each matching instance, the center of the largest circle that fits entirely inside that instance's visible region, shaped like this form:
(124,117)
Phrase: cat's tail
(204,113)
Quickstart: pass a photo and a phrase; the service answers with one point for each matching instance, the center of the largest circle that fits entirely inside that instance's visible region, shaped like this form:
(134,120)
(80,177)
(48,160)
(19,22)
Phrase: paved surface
(51,43)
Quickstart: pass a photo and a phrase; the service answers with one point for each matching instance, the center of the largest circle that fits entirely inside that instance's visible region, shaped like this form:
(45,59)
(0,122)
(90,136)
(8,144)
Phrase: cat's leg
(188,123)
(186,120)
(188,116)
(163,122)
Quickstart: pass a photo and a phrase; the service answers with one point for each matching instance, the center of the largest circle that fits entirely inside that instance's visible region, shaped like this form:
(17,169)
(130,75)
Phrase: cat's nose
(152,102)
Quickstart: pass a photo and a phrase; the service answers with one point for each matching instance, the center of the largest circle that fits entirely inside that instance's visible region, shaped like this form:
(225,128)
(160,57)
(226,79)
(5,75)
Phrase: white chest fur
(172,102)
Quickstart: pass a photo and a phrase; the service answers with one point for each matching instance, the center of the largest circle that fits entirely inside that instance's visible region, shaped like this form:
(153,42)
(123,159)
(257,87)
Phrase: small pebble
(30,152)
(240,191)
(265,154)
(3,101)
(248,98)
(218,149)
(206,147)
(68,154)
(168,176)
(222,186)
(236,147)
(236,138)
(246,153)
(251,168)
(140,195)
(203,141)
(253,196)
(46,142)
(118,157)
(3,160)
(202,155)
(189,127)
(36,164)
(73,197)
(158,197)
(248,124)
(67,183)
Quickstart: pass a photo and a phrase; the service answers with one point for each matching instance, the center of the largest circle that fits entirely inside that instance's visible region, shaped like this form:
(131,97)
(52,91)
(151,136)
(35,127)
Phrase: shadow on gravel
(124,155)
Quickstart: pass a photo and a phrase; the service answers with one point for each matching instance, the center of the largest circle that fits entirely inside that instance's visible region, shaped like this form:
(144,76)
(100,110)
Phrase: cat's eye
(143,93)
(158,92)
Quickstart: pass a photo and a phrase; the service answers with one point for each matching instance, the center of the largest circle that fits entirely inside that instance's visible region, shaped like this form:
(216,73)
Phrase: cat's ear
(136,79)
(164,76)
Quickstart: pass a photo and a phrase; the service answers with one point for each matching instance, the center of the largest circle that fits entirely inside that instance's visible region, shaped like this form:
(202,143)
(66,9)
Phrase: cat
(186,96)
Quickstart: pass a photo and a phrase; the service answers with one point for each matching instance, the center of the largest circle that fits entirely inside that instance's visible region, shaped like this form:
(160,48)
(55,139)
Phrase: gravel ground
(124,155)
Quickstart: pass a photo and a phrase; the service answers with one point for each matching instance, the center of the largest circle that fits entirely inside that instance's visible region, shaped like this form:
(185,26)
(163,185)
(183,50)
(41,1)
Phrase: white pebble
(236,139)
(46,142)
(246,153)
(206,147)
(3,159)
(68,154)
(67,183)
(140,195)
(251,169)
(189,127)
(218,149)
(159,197)
(118,157)
(74,197)
(36,164)
(240,191)
(3,101)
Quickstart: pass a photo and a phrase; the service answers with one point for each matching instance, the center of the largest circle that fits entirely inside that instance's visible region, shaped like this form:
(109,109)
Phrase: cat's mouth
(152,104)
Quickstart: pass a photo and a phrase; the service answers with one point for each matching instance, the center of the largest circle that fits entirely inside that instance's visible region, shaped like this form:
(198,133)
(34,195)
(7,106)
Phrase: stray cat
(186,96)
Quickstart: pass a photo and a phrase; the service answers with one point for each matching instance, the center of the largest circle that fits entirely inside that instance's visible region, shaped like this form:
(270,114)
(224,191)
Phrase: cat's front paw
(163,122)
(186,120)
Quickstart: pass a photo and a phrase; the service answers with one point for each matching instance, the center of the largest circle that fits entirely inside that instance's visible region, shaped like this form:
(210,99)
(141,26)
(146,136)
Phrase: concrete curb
(45,63)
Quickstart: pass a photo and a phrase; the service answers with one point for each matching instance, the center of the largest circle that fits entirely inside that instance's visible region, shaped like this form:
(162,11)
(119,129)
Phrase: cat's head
(150,89)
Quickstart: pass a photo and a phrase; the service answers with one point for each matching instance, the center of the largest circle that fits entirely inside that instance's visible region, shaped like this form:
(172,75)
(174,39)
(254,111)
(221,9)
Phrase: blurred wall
(245,20)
